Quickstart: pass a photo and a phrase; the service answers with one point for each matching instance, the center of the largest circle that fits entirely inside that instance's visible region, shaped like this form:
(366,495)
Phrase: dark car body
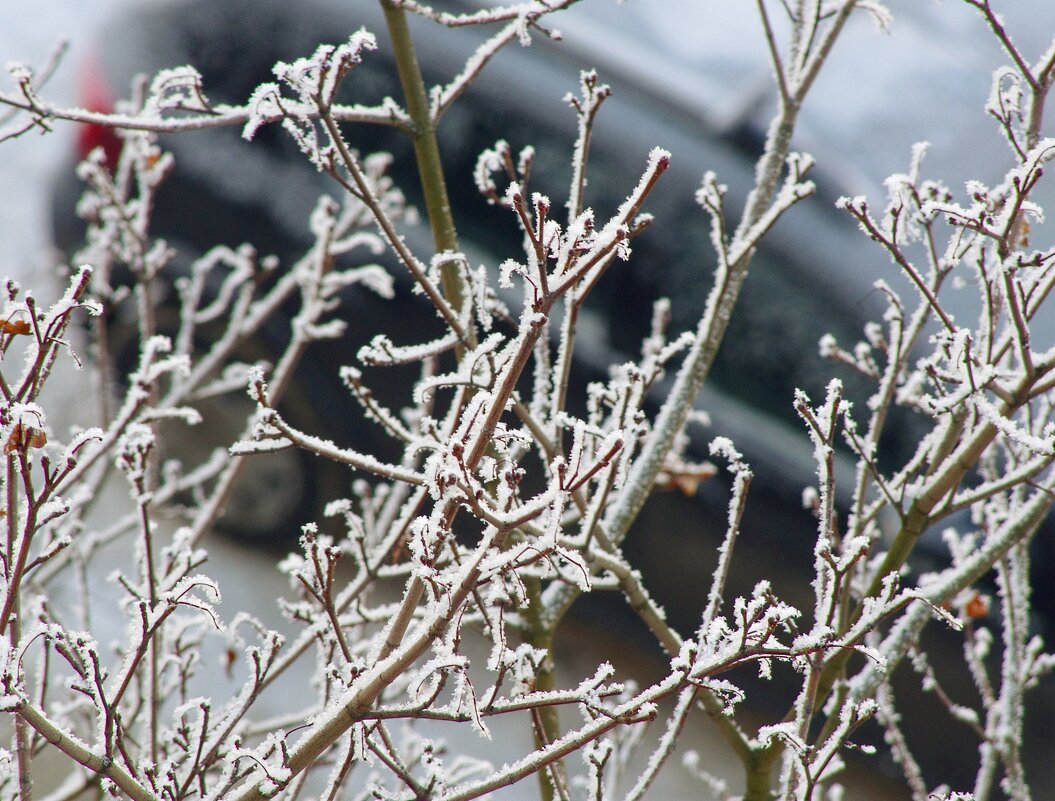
(224,191)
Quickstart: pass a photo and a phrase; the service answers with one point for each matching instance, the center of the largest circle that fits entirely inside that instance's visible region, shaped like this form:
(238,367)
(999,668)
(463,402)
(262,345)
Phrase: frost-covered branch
(475,485)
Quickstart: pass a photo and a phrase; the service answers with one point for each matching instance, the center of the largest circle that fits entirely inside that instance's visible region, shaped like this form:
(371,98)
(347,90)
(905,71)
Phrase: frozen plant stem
(403,650)
(154,645)
(795,80)
(102,765)
(427,155)
(14,627)
(445,239)
(728,282)
(547,724)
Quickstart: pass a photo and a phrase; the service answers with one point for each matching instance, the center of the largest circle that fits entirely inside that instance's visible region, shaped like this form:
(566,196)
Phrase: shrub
(500,502)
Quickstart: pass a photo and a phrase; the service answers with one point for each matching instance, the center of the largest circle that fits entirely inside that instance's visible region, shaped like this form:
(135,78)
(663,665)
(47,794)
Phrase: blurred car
(812,276)
(225,192)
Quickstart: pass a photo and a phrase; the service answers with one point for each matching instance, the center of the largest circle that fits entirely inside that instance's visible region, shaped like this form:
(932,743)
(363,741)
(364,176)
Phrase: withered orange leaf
(977,607)
(15,327)
(23,437)
(686,479)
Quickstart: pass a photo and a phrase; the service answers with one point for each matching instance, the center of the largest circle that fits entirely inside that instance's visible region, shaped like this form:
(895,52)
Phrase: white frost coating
(488,162)
(442,97)
(52,508)
(711,196)
(880,14)
(723,446)
(81,439)
(265,105)
(270,424)
(577,238)
(373,277)
(382,351)
(29,416)
(176,89)
(20,73)
(1043,444)
(321,75)
(314,81)
(479,367)
(611,239)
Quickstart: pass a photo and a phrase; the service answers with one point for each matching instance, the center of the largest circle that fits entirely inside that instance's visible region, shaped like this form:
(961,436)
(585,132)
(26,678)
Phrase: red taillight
(95,96)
